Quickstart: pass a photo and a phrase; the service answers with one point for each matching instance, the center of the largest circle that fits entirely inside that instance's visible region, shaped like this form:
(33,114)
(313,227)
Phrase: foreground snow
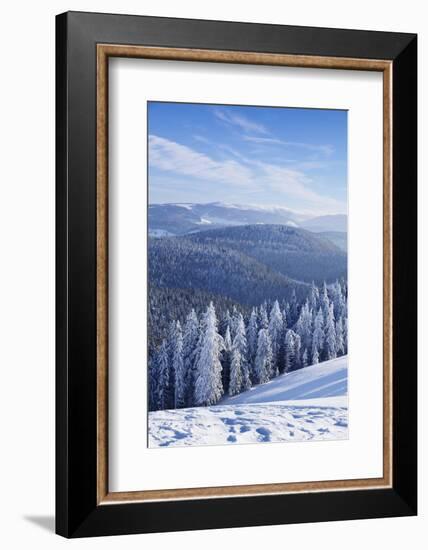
(309,404)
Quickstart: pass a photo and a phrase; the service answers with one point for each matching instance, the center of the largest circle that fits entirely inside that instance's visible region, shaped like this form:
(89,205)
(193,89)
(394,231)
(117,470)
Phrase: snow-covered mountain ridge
(185,218)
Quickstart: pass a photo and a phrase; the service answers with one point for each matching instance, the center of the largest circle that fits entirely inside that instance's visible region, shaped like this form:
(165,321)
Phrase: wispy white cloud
(295,183)
(202,139)
(243,123)
(326,150)
(173,157)
(252,176)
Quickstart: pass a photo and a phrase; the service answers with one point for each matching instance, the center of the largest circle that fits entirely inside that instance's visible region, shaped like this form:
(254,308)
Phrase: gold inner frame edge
(104,51)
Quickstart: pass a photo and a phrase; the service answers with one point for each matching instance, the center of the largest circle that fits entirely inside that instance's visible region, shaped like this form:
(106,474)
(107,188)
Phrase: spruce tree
(294,308)
(330,335)
(163,371)
(190,340)
(324,301)
(304,326)
(252,335)
(239,372)
(275,332)
(297,351)
(317,337)
(170,346)
(263,363)
(179,372)
(289,350)
(314,297)
(208,384)
(263,317)
(226,360)
(305,358)
(340,343)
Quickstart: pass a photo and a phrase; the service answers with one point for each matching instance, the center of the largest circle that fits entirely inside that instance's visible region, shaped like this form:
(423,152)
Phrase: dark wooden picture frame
(84,505)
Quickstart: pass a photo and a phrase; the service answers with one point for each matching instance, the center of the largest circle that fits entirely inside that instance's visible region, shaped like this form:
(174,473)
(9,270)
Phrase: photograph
(247,274)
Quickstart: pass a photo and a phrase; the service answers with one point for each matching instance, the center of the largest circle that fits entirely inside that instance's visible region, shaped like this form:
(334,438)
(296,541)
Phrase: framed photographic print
(236,274)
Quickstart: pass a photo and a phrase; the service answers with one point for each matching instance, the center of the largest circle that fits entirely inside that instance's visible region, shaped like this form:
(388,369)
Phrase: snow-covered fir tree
(263,362)
(289,350)
(225,322)
(252,335)
(208,384)
(314,297)
(263,316)
(297,352)
(294,308)
(304,326)
(179,371)
(276,327)
(239,372)
(190,340)
(340,342)
(324,301)
(170,347)
(305,358)
(163,381)
(226,360)
(330,335)
(317,337)
(345,335)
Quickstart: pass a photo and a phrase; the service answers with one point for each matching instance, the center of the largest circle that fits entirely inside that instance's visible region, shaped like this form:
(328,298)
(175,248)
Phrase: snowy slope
(310,404)
(328,379)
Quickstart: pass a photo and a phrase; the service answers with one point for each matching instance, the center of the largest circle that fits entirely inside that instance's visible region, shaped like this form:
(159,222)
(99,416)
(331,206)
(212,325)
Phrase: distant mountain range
(173,219)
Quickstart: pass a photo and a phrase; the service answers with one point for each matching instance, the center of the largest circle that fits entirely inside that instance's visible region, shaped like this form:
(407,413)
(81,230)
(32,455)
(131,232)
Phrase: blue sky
(266,156)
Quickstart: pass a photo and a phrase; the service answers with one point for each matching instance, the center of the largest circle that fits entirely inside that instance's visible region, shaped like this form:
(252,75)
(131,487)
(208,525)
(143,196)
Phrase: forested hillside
(218,268)
(293,252)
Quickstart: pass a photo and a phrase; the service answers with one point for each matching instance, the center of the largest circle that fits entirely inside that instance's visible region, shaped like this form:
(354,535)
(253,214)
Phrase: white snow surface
(308,404)
(327,379)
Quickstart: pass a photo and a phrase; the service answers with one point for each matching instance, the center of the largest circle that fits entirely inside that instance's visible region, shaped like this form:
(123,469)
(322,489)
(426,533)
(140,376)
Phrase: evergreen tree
(305,358)
(315,357)
(226,360)
(330,335)
(252,335)
(314,297)
(340,342)
(225,322)
(208,384)
(275,332)
(179,372)
(294,308)
(345,335)
(190,340)
(304,326)
(239,372)
(289,350)
(297,351)
(317,337)
(285,316)
(234,322)
(163,382)
(324,301)
(170,347)
(338,299)
(263,363)
(263,317)
(153,383)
